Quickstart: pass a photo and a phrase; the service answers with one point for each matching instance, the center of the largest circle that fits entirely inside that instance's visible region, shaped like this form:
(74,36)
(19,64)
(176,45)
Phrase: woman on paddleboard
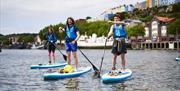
(118,47)
(72,35)
(51,39)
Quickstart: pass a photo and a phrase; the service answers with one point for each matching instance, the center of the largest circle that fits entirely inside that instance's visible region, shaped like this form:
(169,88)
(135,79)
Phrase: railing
(174,45)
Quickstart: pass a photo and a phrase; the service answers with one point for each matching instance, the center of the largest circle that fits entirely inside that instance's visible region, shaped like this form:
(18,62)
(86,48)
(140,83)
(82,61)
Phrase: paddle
(94,67)
(64,56)
(103,55)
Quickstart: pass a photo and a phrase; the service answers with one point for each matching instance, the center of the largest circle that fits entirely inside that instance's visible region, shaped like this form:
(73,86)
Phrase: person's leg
(68,51)
(75,59)
(68,58)
(74,49)
(49,55)
(123,61)
(53,57)
(52,52)
(123,52)
(114,52)
(114,61)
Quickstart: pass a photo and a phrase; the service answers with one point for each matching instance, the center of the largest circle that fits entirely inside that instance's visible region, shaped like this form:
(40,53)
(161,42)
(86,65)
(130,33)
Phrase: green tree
(98,27)
(174,27)
(4,39)
(135,31)
(176,7)
(26,38)
(88,17)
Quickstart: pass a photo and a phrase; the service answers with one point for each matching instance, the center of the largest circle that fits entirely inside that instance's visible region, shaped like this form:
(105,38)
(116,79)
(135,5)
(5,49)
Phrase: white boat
(37,47)
(93,42)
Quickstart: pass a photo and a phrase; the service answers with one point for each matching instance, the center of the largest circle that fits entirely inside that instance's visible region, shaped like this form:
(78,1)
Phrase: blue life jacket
(51,37)
(70,33)
(118,31)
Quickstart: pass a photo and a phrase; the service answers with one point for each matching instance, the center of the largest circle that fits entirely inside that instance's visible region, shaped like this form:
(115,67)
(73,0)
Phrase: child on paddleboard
(118,47)
(72,35)
(51,39)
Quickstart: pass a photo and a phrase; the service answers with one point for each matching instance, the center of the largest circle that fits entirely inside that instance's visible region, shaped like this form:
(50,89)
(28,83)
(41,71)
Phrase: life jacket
(70,33)
(51,37)
(118,31)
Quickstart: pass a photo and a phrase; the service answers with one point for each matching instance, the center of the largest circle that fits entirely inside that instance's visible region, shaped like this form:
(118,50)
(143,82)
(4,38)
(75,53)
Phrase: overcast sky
(29,16)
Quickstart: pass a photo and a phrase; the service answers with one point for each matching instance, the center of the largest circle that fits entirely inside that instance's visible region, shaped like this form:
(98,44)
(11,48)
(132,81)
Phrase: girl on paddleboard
(51,39)
(72,35)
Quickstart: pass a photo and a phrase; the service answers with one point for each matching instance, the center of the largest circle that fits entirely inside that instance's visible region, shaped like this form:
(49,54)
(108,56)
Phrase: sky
(30,16)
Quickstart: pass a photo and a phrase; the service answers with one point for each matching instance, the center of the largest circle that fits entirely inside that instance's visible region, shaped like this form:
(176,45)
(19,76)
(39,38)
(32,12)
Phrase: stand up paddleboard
(57,75)
(177,59)
(45,66)
(118,77)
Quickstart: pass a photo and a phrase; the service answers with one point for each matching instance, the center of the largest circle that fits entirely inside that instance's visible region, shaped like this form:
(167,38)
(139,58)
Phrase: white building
(167,2)
(124,8)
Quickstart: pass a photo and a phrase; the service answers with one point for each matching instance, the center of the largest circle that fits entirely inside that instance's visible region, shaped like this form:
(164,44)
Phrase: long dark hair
(73,22)
(51,28)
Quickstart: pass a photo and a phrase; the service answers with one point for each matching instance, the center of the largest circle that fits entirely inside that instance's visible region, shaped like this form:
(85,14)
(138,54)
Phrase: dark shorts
(51,48)
(119,47)
(71,47)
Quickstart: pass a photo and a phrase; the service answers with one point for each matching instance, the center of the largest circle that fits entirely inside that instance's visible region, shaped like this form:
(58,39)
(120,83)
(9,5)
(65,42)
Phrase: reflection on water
(153,70)
(71,84)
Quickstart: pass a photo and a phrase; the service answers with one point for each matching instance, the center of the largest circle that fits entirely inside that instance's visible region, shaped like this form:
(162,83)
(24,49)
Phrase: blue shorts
(119,47)
(70,47)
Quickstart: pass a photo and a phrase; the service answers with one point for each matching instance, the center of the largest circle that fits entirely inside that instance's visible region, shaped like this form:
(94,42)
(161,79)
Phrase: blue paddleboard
(45,66)
(108,78)
(57,75)
(177,59)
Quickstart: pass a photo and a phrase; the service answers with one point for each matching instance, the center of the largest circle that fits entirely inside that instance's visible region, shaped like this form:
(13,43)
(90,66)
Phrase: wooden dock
(172,45)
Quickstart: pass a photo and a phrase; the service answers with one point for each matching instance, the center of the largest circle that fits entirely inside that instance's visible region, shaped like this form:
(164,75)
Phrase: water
(153,70)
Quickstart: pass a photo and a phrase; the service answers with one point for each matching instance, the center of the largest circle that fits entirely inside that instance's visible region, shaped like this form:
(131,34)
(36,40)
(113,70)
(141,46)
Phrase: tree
(174,27)
(135,31)
(176,7)
(4,39)
(88,17)
(147,18)
(26,38)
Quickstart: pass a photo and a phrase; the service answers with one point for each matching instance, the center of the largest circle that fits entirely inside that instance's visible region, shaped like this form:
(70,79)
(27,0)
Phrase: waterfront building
(119,9)
(167,2)
(143,5)
(156,30)
(153,3)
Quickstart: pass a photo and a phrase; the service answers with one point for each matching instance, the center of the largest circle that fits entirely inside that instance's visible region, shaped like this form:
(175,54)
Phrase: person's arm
(110,32)
(61,29)
(78,35)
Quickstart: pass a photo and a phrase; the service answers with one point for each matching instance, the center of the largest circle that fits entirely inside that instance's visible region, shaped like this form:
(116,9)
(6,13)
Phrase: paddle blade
(65,57)
(97,74)
(95,68)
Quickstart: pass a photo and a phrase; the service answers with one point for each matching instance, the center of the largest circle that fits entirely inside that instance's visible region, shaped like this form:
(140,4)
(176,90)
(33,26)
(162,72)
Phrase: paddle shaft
(103,55)
(94,67)
(57,48)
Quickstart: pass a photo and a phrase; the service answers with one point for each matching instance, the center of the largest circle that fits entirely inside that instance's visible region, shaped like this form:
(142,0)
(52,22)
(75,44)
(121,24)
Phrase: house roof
(164,19)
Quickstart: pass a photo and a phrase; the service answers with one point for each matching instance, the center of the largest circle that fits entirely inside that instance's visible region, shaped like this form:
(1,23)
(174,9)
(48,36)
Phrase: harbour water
(153,70)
